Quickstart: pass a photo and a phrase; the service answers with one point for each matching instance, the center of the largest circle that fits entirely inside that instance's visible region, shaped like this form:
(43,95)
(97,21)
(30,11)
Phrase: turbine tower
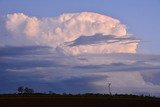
(109,88)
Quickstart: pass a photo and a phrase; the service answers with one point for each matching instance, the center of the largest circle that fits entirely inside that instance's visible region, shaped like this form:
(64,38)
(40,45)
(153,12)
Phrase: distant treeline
(127,96)
(29,92)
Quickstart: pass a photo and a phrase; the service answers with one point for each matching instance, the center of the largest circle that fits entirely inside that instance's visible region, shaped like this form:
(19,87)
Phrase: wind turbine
(109,88)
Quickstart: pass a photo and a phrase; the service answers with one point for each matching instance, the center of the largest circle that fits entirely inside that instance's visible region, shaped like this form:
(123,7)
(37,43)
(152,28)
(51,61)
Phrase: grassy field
(77,101)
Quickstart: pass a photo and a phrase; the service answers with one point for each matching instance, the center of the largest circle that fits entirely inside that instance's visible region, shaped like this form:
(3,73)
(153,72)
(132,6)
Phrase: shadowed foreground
(77,101)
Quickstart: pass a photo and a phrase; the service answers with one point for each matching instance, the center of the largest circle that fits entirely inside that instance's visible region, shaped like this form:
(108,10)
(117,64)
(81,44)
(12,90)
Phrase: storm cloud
(44,67)
(22,30)
(74,53)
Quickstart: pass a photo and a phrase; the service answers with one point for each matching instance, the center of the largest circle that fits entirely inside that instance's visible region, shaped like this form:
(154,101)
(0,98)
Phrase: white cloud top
(55,31)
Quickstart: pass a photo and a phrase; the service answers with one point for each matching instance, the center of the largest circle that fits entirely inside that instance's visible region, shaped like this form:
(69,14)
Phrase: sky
(78,46)
(140,17)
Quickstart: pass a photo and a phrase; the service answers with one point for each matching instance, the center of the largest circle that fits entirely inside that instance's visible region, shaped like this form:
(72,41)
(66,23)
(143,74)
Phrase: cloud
(98,44)
(19,29)
(66,27)
(127,82)
(37,65)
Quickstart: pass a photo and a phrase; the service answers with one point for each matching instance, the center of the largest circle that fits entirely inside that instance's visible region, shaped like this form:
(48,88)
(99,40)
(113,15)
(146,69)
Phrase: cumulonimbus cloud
(54,31)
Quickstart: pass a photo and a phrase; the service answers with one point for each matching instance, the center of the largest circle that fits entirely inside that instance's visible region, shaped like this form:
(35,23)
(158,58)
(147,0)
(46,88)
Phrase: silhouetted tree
(28,90)
(20,89)
(25,90)
(50,92)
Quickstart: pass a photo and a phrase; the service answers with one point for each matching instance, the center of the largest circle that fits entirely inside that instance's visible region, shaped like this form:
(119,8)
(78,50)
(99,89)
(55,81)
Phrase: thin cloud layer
(55,31)
(98,44)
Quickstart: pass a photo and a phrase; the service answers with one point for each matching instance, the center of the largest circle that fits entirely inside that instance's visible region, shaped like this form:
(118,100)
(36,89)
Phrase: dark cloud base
(45,70)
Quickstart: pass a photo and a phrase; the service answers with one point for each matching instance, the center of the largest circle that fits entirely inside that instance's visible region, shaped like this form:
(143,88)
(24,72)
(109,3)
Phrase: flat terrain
(77,101)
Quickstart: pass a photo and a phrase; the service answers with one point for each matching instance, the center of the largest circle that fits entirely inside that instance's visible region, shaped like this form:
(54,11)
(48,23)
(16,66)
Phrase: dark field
(77,101)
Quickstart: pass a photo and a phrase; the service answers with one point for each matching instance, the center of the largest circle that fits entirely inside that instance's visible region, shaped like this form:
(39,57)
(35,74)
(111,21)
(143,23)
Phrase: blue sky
(141,17)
